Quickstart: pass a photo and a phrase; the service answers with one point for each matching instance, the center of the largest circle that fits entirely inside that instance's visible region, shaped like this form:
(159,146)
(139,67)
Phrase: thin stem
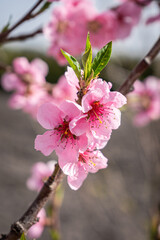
(4,67)
(140,68)
(30,216)
(26,17)
(23,36)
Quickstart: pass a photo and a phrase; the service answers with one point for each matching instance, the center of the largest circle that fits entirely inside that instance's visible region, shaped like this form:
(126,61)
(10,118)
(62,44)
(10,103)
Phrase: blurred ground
(114,204)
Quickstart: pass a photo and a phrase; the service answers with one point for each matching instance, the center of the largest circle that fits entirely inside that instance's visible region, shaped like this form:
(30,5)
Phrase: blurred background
(118,203)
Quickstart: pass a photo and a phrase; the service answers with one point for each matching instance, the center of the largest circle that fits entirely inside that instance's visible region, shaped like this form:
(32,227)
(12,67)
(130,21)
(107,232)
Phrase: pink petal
(10,81)
(141,119)
(101,132)
(40,65)
(71,77)
(46,143)
(114,119)
(83,142)
(99,161)
(49,115)
(36,230)
(66,158)
(70,109)
(21,65)
(75,182)
(116,99)
(91,97)
(79,125)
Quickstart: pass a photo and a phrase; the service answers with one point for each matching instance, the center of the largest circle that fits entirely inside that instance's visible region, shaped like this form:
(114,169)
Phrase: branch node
(148,60)
(18,228)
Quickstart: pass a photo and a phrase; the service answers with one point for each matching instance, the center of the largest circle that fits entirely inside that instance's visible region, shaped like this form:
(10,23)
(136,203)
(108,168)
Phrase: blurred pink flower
(63,91)
(36,230)
(128,15)
(39,174)
(24,73)
(31,100)
(70,24)
(145,101)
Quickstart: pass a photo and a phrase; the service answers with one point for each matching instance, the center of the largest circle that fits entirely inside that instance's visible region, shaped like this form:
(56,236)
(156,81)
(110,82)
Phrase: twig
(30,216)
(23,36)
(26,17)
(4,67)
(140,68)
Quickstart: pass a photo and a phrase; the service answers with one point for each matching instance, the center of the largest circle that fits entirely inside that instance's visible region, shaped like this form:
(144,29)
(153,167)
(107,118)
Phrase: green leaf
(5,28)
(102,58)
(73,63)
(23,237)
(45,6)
(54,234)
(87,58)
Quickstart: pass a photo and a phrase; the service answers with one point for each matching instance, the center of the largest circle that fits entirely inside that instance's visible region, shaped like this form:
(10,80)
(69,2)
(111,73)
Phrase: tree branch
(4,67)
(30,216)
(23,36)
(27,16)
(140,68)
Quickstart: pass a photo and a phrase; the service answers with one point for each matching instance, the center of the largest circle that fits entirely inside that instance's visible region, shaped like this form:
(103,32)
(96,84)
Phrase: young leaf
(45,6)
(73,63)
(23,237)
(102,58)
(54,234)
(87,58)
(6,27)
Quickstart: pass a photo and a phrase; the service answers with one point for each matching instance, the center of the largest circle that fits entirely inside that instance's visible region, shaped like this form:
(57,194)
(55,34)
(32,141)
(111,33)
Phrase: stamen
(92,163)
(97,116)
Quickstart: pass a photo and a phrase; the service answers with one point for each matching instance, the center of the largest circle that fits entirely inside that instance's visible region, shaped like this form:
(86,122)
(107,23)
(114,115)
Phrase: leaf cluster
(91,69)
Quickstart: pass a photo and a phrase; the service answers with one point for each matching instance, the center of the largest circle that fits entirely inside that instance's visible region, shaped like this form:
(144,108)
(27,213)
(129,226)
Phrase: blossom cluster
(77,132)
(27,81)
(144,101)
(71,20)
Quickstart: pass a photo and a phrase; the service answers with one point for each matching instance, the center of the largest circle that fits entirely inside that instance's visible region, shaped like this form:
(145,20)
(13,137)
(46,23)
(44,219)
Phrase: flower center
(86,159)
(96,113)
(27,78)
(94,26)
(64,132)
(61,26)
(145,101)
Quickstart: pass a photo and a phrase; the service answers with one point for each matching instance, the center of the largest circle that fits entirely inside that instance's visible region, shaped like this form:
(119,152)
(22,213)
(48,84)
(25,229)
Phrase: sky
(136,45)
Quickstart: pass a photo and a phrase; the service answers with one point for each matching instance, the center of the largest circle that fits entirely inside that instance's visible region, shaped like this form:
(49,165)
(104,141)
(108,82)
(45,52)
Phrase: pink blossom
(67,28)
(72,78)
(78,168)
(63,90)
(128,15)
(59,137)
(25,73)
(35,71)
(39,174)
(101,24)
(31,100)
(145,101)
(36,230)
(100,111)
(10,82)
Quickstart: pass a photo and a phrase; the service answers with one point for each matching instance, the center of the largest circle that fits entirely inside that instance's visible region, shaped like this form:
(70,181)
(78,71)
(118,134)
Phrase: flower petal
(49,115)
(70,109)
(46,143)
